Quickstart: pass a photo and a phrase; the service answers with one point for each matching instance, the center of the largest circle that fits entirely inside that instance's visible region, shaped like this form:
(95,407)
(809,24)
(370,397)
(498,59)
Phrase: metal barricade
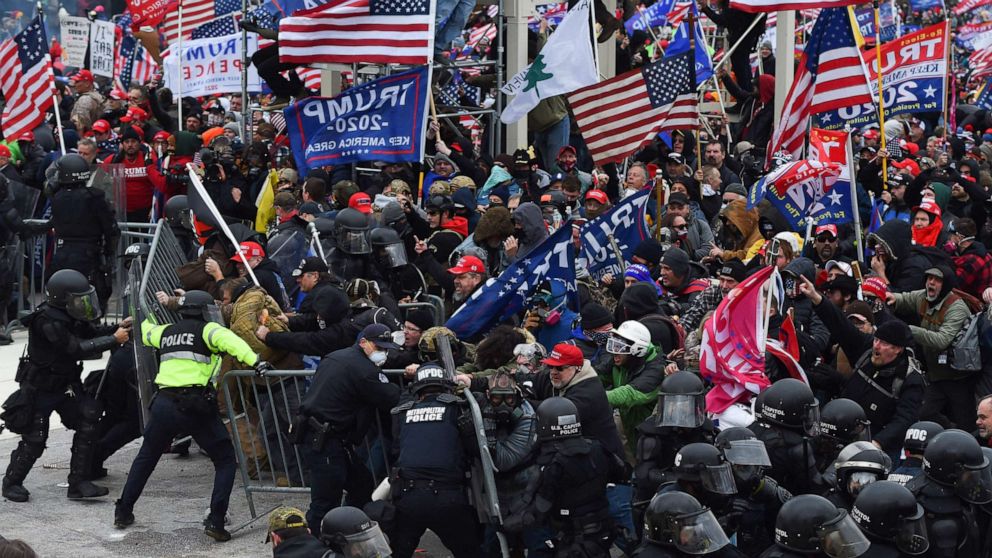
(408,306)
(30,268)
(165,256)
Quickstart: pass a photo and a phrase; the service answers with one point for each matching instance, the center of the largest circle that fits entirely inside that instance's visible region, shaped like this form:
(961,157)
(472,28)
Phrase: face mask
(598,337)
(521,174)
(378,358)
(566,166)
(723,206)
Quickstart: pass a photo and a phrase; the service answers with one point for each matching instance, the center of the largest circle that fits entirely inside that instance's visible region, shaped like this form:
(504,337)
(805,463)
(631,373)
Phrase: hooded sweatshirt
(534,229)
(905,268)
(746,221)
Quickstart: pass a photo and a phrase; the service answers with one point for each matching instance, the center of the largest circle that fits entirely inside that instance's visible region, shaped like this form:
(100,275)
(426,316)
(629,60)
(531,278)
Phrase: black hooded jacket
(906,266)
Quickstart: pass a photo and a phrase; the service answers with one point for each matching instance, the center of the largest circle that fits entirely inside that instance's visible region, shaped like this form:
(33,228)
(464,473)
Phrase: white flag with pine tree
(565,64)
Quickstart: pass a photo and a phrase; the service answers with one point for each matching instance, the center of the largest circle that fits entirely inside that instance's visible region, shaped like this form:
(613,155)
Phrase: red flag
(148,13)
(787,335)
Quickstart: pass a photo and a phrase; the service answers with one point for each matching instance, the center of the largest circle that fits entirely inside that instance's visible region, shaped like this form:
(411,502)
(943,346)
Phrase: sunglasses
(826,238)
(558,368)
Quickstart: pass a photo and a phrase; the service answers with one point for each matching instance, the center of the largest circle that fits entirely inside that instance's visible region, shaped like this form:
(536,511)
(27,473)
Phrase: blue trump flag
(680,44)
(502,297)
(984,99)
(627,224)
(382,120)
(796,189)
(654,15)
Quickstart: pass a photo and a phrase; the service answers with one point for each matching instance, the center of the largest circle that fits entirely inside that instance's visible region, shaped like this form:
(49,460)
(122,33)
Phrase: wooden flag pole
(948,92)
(692,61)
(881,95)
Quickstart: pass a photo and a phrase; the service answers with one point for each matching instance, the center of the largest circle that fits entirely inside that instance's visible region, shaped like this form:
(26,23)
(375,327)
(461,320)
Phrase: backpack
(964,354)
(675,328)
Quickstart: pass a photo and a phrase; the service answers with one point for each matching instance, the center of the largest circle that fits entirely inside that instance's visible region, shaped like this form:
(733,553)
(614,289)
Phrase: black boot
(123,515)
(216,531)
(14,491)
(21,461)
(83,452)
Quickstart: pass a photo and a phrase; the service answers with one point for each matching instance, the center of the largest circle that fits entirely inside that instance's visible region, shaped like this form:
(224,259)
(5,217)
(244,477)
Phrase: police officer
(917,437)
(956,477)
(428,481)
(336,414)
(809,525)
(858,465)
(569,491)
(177,215)
(889,515)
(60,334)
(190,355)
(702,471)
(842,421)
(11,224)
(676,525)
(351,255)
(348,532)
(786,415)
(85,230)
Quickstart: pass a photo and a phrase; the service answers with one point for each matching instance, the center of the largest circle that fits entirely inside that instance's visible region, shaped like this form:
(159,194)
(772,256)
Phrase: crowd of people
(600,424)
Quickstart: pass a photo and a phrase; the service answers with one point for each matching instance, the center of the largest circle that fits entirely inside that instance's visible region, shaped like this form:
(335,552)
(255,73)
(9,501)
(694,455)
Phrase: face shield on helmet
(811,419)
(370,543)
(393,255)
(699,533)
(212,313)
(681,410)
(841,538)
(84,306)
(912,536)
(747,453)
(718,479)
(975,484)
(354,241)
(859,480)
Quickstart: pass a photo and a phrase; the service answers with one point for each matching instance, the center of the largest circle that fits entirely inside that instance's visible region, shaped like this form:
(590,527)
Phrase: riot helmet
(200,305)
(395,218)
(324,226)
(348,530)
(557,419)
(919,434)
(431,375)
(72,170)
(789,403)
(888,511)
(843,421)
(352,232)
(388,247)
(177,213)
(747,455)
(860,464)
(138,250)
(69,290)
(682,401)
(809,523)
(676,519)
(705,464)
(954,458)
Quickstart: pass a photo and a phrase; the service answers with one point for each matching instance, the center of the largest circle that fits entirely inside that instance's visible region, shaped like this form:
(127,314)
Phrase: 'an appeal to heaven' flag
(382,120)
(835,207)
(796,189)
(25,79)
(618,116)
(565,64)
(913,71)
(626,223)
(503,296)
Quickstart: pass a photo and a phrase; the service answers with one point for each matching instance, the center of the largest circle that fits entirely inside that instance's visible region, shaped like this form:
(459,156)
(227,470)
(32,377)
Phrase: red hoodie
(457,224)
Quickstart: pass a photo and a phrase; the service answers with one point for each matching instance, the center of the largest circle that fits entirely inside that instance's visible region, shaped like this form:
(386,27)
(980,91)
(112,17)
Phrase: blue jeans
(333,470)
(209,433)
(620,496)
(550,141)
(449,20)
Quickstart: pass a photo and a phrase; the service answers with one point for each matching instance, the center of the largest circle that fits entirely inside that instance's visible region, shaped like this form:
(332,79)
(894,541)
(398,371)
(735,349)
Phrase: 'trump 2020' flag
(626,223)
(564,64)
(502,297)
(654,15)
(619,115)
(25,79)
(796,189)
(382,120)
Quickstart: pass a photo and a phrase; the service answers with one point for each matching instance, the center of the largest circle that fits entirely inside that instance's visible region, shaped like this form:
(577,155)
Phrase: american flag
(219,27)
(755,6)
(679,12)
(26,79)
(619,115)
(831,76)
(195,14)
(980,62)
(132,64)
(352,31)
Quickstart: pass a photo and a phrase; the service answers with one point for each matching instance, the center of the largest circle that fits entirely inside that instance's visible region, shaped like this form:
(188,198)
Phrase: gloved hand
(262,368)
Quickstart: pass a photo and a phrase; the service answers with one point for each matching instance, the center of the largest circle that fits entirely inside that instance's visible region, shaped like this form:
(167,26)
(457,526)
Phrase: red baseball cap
(928,205)
(250,250)
(26,136)
(467,264)
(118,95)
(913,166)
(161,135)
(871,134)
(564,354)
(82,75)
(598,195)
(360,201)
(4,150)
(832,229)
(101,126)
(875,287)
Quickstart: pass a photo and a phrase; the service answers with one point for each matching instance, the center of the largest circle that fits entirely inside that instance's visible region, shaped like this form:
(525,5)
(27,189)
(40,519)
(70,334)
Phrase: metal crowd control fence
(260,412)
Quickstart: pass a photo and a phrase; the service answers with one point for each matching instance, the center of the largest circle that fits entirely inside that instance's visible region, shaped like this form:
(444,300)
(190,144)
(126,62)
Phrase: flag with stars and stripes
(195,13)
(755,6)
(132,63)
(353,31)
(618,116)
(26,79)
(219,27)
(830,76)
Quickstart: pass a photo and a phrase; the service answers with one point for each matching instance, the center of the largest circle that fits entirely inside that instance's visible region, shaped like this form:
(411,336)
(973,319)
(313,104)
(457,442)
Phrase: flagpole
(858,235)
(592,33)
(726,55)
(692,61)
(244,74)
(947,74)
(179,81)
(55,98)
(881,95)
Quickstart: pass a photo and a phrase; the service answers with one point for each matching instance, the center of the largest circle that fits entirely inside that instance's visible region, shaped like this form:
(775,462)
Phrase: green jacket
(934,338)
(632,389)
(181,372)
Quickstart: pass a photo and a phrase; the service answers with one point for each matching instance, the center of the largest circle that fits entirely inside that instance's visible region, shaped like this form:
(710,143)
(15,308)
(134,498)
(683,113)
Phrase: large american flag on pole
(353,31)
(621,114)
(195,14)
(26,79)
(831,76)
(132,64)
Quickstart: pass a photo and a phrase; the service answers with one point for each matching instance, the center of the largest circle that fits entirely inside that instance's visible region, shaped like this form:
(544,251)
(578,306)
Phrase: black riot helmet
(919,434)
(177,213)
(682,401)
(888,511)
(69,290)
(954,458)
(351,229)
(809,523)
(676,519)
(843,421)
(348,530)
(557,419)
(747,455)
(789,403)
(324,226)
(394,217)
(705,464)
(199,305)
(860,464)
(431,375)
(388,247)
(72,170)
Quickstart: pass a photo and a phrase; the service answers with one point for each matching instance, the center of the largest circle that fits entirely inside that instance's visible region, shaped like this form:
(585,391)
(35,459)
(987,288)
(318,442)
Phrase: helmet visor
(212,313)
(718,479)
(747,452)
(84,306)
(841,538)
(700,534)
(975,485)
(859,480)
(912,535)
(618,346)
(685,411)
(811,419)
(370,543)
(394,255)
(354,241)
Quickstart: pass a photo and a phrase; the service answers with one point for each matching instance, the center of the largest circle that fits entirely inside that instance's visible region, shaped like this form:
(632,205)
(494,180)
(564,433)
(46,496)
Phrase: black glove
(262,368)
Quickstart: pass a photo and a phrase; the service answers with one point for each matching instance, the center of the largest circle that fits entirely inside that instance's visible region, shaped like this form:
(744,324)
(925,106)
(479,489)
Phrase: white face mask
(378,358)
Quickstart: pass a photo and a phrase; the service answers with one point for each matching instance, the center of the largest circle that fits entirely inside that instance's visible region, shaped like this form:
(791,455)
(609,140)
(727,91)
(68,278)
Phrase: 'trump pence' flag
(796,189)
(565,64)
(626,223)
(503,296)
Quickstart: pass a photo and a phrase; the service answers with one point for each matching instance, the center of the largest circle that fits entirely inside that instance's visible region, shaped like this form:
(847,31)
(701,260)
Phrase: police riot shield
(110,179)
(23,199)
(145,361)
(484,496)
(287,248)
